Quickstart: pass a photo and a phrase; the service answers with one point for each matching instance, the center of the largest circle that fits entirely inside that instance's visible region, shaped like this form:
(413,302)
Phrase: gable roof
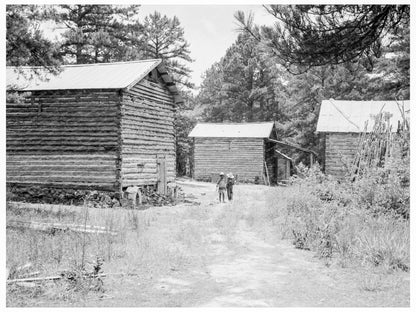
(232,130)
(350,116)
(118,75)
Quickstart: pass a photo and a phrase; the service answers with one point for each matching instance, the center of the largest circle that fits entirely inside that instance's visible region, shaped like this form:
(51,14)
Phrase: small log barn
(245,149)
(341,122)
(106,126)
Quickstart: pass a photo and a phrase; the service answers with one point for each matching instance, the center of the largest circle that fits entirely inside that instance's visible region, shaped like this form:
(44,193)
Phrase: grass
(158,241)
(142,247)
(339,229)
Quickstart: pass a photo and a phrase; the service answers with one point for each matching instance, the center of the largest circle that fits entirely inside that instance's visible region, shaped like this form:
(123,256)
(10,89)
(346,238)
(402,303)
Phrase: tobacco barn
(248,150)
(106,126)
(342,122)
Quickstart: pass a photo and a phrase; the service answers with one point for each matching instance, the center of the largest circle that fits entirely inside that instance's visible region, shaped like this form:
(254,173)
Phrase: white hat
(221,173)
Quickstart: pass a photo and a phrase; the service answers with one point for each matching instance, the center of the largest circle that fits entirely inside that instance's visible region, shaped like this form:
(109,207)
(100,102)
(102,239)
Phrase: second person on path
(221,185)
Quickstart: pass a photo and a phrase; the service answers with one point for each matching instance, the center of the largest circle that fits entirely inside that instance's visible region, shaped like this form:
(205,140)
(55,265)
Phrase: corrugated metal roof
(240,130)
(350,116)
(81,76)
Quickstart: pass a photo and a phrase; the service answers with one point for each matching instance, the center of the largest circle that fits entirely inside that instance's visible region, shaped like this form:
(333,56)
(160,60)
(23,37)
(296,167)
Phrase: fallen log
(58,277)
(53,227)
(34,279)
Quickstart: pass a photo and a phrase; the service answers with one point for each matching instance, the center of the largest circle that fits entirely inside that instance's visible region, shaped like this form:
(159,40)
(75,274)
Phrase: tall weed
(365,221)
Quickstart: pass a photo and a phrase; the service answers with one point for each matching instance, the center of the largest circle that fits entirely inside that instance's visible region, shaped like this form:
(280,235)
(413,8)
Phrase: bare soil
(237,263)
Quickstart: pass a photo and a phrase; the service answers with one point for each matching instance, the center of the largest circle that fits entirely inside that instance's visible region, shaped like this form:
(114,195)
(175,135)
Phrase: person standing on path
(230,184)
(221,185)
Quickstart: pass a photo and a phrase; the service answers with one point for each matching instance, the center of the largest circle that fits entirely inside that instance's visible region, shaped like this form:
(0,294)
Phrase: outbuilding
(342,122)
(106,126)
(245,149)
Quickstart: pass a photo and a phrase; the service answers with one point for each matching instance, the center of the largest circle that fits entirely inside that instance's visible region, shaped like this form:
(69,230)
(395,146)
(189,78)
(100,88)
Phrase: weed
(372,283)
(351,221)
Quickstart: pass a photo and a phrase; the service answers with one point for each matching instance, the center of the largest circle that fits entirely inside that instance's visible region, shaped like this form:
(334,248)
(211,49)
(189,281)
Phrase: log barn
(245,149)
(341,122)
(106,126)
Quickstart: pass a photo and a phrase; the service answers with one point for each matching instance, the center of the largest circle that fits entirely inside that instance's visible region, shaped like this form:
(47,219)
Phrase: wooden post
(161,166)
(267,173)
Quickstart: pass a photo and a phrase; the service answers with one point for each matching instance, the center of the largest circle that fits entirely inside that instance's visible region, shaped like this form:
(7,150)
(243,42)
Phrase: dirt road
(237,264)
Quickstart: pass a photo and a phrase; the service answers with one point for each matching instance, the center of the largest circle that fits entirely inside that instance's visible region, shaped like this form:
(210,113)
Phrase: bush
(365,221)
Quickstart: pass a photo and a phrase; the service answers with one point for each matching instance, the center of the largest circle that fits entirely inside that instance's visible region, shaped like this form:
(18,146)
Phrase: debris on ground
(52,228)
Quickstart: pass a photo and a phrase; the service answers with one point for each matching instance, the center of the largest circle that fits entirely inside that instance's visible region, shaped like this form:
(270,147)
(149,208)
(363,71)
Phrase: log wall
(241,156)
(147,133)
(64,138)
(340,149)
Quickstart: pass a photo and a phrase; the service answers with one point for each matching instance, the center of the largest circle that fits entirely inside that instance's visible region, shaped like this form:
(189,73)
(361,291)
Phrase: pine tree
(246,85)
(163,38)
(306,36)
(97,33)
(25,42)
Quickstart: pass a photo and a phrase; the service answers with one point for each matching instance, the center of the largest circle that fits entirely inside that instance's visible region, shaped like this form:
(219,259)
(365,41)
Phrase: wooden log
(62,276)
(49,227)
(34,279)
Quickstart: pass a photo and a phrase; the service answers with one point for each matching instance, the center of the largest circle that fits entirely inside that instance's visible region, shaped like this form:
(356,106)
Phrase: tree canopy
(25,42)
(305,36)
(163,37)
(96,33)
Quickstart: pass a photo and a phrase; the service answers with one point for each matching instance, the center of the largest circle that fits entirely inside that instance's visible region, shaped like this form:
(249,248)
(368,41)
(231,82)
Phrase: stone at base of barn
(63,196)
(132,197)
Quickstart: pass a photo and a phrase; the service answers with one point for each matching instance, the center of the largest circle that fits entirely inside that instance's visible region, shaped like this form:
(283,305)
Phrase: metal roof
(81,76)
(118,75)
(350,116)
(235,130)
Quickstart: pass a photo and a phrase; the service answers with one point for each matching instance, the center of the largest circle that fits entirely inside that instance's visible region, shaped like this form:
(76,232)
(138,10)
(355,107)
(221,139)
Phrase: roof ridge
(113,63)
(88,64)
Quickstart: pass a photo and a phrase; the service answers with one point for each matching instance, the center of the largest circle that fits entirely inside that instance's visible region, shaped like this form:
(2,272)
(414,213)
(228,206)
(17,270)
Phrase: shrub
(365,221)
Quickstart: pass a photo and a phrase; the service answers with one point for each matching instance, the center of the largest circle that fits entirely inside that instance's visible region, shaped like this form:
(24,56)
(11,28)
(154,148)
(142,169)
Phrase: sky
(209,29)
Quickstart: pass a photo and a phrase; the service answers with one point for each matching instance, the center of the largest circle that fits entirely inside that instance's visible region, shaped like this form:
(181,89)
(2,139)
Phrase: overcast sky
(209,29)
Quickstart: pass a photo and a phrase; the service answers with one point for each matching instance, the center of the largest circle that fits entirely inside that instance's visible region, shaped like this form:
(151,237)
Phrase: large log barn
(245,149)
(341,122)
(105,126)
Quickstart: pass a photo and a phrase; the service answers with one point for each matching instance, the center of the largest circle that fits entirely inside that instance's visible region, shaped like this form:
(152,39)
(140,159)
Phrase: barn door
(161,172)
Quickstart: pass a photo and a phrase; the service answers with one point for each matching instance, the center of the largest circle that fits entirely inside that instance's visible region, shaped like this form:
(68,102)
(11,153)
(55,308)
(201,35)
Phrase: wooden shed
(244,149)
(341,122)
(106,126)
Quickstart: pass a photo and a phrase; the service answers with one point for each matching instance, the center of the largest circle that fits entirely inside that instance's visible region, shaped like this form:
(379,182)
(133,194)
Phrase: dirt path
(239,266)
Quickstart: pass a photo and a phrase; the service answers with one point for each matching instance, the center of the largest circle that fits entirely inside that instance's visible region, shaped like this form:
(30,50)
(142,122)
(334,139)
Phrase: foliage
(315,35)
(242,86)
(332,219)
(25,42)
(96,33)
(183,125)
(163,38)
